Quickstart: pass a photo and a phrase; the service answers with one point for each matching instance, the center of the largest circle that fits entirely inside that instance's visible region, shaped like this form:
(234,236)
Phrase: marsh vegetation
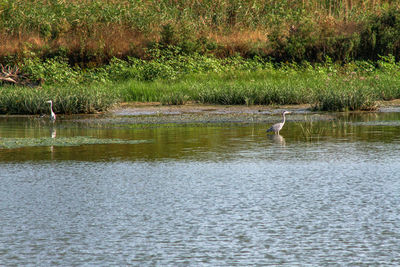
(93,32)
(178,79)
(87,56)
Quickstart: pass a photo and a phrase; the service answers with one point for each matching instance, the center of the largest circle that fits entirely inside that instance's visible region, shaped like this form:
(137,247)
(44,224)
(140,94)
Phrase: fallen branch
(13,75)
(7,79)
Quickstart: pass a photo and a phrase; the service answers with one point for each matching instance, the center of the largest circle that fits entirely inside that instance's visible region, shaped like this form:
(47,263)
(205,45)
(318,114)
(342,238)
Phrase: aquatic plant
(311,129)
(12,143)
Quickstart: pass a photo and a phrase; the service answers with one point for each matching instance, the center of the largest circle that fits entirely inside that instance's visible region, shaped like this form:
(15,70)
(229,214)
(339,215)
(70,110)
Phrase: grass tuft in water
(311,129)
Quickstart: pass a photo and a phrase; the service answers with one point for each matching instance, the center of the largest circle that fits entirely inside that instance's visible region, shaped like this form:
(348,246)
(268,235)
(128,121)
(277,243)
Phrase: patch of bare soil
(155,108)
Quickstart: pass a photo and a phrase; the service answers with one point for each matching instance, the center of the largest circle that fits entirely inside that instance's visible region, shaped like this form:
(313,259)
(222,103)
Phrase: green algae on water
(11,143)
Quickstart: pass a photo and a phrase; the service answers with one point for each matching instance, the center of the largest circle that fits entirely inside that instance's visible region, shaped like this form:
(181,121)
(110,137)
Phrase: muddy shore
(154,108)
(155,113)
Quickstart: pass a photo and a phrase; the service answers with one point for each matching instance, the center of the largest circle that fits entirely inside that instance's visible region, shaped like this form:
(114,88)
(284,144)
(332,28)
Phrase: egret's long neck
(284,118)
(51,106)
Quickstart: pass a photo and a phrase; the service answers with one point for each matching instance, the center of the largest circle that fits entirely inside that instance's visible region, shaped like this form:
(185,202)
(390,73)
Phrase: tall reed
(92,32)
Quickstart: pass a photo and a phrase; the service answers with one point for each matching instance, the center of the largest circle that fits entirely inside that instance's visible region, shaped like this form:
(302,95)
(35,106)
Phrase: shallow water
(324,192)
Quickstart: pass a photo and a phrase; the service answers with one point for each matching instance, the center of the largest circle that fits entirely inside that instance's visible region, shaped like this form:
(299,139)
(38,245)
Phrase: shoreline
(156,113)
(156,108)
(153,113)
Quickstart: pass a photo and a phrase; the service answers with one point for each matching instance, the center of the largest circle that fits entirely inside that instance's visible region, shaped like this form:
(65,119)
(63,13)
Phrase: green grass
(66,99)
(323,92)
(177,79)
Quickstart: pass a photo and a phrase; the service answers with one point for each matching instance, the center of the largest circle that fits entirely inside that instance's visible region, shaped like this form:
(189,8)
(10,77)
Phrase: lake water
(324,192)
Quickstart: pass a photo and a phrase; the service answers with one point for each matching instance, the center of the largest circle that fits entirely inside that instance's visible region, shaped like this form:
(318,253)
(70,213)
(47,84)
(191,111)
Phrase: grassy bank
(88,55)
(67,99)
(174,78)
(91,33)
(326,91)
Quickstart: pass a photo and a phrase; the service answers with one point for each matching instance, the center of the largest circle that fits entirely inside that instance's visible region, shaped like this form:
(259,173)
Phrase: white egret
(52,114)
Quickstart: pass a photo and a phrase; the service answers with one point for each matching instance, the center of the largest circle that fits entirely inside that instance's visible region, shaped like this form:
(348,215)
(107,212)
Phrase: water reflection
(203,195)
(200,141)
(53,132)
(277,139)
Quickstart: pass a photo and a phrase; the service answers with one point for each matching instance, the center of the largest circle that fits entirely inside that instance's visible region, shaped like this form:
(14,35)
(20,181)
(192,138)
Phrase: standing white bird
(52,114)
(278,126)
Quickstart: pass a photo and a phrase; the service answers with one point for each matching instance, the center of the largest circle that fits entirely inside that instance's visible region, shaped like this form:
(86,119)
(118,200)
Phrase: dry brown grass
(122,28)
(100,45)
(239,37)
(239,40)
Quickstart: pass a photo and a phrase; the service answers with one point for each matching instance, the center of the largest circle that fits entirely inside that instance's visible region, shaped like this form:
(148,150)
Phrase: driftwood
(13,75)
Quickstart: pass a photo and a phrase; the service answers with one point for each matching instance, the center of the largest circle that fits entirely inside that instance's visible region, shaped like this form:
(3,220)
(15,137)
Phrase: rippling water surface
(325,192)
